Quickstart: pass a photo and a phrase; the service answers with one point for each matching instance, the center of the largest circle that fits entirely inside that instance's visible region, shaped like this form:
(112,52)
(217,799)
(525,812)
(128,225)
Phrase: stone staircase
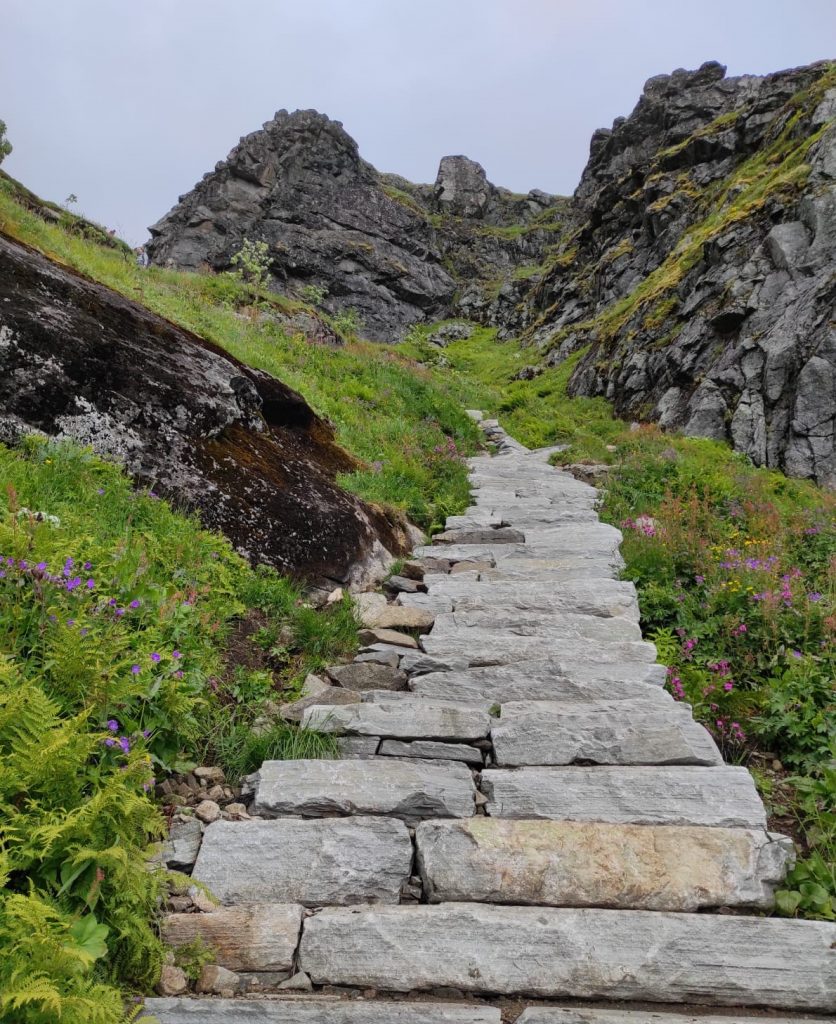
(535,819)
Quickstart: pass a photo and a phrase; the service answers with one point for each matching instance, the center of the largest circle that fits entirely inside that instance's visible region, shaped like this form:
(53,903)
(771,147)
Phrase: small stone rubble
(527,813)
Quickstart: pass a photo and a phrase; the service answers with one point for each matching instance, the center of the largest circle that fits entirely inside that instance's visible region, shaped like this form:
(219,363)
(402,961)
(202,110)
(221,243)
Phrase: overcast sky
(127,104)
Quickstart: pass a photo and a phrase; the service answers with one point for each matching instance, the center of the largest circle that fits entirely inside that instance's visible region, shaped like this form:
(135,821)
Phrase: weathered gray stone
(315,862)
(254,938)
(217,980)
(367,675)
(387,636)
(390,658)
(408,790)
(401,585)
(606,732)
(582,1015)
(603,597)
(605,954)
(181,849)
(486,647)
(416,662)
(592,864)
(358,746)
(547,680)
(406,718)
(294,711)
(432,749)
(313,1010)
(401,616)
(555,624)
(481,535)
(719,797)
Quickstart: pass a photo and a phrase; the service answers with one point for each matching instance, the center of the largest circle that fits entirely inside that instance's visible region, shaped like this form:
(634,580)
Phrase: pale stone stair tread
(315,862)
(604,732)
(432,749)
(604,597)
(721,797)
(408,718)
(591,864)
(552,623)
(316,1010)
(546,680)
(547,952)
(487,647)
(409,790)
(583,1015)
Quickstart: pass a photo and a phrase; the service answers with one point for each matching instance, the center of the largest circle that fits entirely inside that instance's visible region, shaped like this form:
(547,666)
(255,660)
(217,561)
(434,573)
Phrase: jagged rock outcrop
(80,361)
(394,252)
(699,272)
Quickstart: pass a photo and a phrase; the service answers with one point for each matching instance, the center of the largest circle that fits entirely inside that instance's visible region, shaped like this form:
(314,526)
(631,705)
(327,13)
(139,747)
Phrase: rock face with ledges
(315,862)
(603,954)
(591,864)
(401,789)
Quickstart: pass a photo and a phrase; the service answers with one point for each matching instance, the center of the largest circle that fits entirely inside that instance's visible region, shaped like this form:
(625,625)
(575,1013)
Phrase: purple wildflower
(136,669)
(113,725)
(155,657)
(125,744)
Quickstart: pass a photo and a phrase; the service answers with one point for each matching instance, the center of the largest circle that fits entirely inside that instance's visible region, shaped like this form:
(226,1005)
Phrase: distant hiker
(141,256)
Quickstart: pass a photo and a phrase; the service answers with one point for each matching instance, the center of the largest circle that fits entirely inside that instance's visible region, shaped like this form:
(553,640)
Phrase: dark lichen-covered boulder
(80,361)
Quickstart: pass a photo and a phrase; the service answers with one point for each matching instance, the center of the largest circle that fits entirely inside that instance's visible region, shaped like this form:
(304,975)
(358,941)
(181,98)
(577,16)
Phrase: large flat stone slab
(556,624)
(603,954)
(482,646)
(723,797)
(252,938)
(481,535)
(316,862)
(545,680)
(409,790)
(602,732)
(602,597)
(590,864)
(316,1010)
(404,718)
(555,1015)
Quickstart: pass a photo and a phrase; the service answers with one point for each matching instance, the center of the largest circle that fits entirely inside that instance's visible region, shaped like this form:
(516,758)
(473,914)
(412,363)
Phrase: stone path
(533,817)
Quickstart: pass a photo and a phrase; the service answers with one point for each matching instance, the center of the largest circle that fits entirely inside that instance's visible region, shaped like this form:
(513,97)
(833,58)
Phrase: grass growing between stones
(132,644)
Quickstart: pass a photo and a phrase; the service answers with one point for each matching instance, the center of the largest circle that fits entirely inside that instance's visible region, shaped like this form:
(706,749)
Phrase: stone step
(722,797)
(637,732)
(481,535)
(409,790)
(433,750)
(604,954)
(554,570)
(590,864)
(553,623)
(582,1015)
(604,597)
(316,1010)
(250,938)
(487,647)
(403,718)
(547,680)
(318,862)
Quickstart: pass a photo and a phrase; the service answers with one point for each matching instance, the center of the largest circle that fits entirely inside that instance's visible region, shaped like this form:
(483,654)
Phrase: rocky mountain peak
(462,187)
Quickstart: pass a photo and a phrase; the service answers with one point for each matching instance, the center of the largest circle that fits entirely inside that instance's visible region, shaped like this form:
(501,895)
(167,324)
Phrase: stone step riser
(588,954)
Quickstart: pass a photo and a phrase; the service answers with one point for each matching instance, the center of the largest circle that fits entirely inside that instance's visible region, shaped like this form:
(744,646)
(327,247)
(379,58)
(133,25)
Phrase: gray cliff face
(694,266)
(700,271)
(381,246)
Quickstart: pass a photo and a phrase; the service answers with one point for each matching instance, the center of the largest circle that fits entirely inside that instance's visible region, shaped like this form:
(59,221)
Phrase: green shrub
(5,145)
